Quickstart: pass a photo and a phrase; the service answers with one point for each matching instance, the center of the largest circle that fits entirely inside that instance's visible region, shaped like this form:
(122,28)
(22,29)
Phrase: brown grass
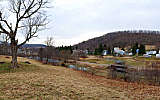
(130,61)
(59,83)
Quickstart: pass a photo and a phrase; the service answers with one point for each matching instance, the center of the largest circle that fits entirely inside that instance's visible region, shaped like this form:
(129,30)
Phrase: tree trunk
(47,60)
(14,54)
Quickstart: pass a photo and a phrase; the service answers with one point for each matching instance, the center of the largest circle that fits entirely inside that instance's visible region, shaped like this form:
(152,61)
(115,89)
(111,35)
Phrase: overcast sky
(74,21)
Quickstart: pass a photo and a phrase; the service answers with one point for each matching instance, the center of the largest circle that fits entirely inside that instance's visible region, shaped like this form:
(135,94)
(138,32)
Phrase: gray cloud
(74,21)
(77,18)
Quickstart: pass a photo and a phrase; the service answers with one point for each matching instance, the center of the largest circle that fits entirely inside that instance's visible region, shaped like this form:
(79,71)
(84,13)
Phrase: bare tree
(41,53)
(49,42)
(28,18)
(65,55)
(49,49)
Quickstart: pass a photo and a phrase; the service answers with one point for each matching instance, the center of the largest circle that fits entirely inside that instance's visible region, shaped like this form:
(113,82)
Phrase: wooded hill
(121,39)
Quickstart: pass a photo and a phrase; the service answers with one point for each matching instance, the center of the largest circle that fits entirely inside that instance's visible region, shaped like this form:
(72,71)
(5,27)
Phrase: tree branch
(17,16)
(6,24)
(3,29)
(1,32)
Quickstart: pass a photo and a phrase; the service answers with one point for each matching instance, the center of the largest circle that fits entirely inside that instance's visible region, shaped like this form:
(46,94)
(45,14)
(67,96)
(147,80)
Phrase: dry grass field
(129,61)
(36,81)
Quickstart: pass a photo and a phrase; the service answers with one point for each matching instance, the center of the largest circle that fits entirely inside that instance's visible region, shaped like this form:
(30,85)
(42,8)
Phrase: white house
(118,51)
(151,52)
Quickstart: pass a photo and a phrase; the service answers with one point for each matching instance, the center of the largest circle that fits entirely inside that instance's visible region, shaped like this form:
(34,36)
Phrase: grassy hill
(46,82)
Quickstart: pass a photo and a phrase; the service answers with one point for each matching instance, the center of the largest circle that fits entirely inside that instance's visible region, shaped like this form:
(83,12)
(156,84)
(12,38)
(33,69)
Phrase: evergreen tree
(134,48)
(105,47)
(100,49)
(109,50)
(89,52)
(112,52)
(96,52)
(142,49)
(157,51)
(76,47)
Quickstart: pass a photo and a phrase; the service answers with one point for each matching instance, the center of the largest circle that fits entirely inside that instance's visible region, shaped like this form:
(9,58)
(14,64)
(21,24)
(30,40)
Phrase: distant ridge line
(122,39)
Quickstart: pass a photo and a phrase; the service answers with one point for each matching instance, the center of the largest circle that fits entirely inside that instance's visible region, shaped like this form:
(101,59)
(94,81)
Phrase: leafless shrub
(150,74)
